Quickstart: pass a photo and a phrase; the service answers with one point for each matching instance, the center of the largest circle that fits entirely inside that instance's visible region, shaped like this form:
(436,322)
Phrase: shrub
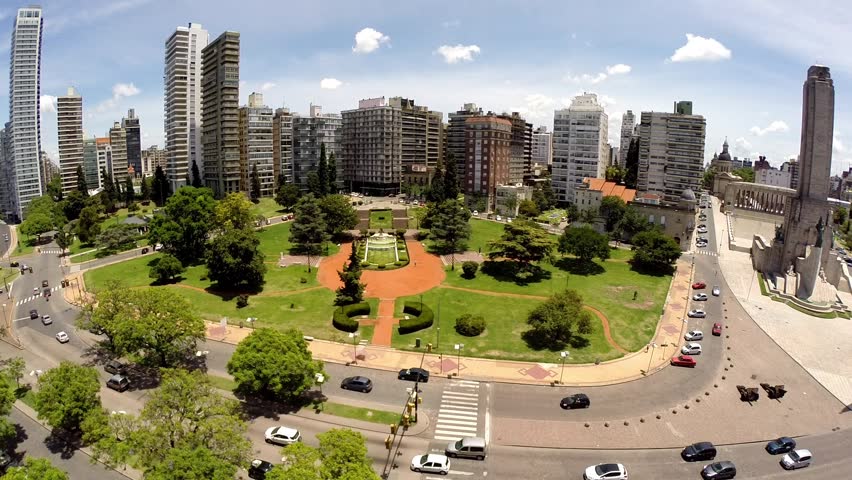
(420,315)
(133,207)
(400,232)
(470,325)
(365,264)
(363,232)
(303,280)
(398,263)
(242,300)
(342,318)
(422,235)
(381,267)
(469,269)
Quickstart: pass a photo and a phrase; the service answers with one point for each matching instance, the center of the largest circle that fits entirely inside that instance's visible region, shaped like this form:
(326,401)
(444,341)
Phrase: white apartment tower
(182,119)
(256,148)
(282,147)
(542,147)
(69,118)
(24,129)
(628,125)
(580,145)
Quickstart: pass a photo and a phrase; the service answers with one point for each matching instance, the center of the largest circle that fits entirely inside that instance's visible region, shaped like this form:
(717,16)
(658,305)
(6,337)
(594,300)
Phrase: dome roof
(725,156)
(688,194)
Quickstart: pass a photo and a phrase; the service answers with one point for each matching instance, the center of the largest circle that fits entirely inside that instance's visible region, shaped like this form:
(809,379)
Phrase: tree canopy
(166,269)
(308,231)
(556,321)
(234,211)
(35,468)
(584,243)
(522,241)
(287,196)
(188,219)
(654,251)
(338,214)
(66,394)
(184,463)
(611,210)
(341,455)
(234,260)
(449,226)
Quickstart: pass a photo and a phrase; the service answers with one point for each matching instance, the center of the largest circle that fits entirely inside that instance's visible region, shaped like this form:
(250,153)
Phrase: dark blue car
(780,445)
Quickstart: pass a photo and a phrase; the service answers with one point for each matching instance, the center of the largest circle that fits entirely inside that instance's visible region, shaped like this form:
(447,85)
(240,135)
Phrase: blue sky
(742,65)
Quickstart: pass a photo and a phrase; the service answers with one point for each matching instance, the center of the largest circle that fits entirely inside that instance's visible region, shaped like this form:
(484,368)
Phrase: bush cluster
(469,269)
(420,317)
(470,325)
(342,318)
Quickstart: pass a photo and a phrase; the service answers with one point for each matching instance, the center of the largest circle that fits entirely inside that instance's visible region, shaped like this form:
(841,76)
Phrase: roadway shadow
(847,409)
(11,444)
(262,407)
(64,443)
(515,272)
(538,342)
(576,266)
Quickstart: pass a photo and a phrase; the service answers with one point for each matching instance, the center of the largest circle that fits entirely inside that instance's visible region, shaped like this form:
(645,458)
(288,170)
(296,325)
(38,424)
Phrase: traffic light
(406,420)
(428,348)
(410,407)
(388,442)
(393,428)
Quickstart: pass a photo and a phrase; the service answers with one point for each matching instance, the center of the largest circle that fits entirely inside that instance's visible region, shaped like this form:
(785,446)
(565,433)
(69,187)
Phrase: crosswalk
(35,297)
(458,415)
(54,251)
(706,252)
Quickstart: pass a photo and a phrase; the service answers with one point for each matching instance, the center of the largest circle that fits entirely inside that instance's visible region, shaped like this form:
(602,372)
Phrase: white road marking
(460,395)
(444,421)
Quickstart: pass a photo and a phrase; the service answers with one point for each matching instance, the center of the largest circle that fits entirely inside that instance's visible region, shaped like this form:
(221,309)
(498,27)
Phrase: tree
(572,213)
(588,215)
(522,241)
(37,224)
(54,188)
(234,260)
(631,164)
(584,243)
(654,251)
(614,173)
(119,192)
(160,188)
(632,222)
(449,223)
(840,215)
(184,463)
(166,268)
(7,400)
(33,468)
(313,182)
(556,321)
(73,204)
(188,219)
(161,324)
(117,238)
(611,210)
(451,178)
(274,364)
(111,315)
(308,231)
(352,290)
(322,174)
(66,394)
(145,190)
(708,178)
(287,196)
(746,173)
(528,209)
(331,173)
(108,185)
(341,455)
(82,187)
(234,212)
(14,367)
(196,175)
(511,204)
(129,191)
(437,191)
(255,184)
(339,214)
(64,236)
(89,226)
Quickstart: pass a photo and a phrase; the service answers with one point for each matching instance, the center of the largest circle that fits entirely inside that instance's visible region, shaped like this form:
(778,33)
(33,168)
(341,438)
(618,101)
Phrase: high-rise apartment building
(309,134)
(130,124)
(422,140)
(792,166)
(580,135)
(6,177)
(220,97)
(47,169)
(520,163)
(542,147)
(671,153)
(91,171)
(182,119)
(103,147)
(456,139)
(153,157)
(372,147)
(24,128)
(282,147)
(628,125)
(256,145)
(488,156)
(69,119)
(118,145)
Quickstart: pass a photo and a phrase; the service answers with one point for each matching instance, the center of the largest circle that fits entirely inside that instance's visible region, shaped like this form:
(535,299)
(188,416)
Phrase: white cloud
(47,103)
(742,143)
(698,48)
(618,69)
(454,23)
(836,143)
(56,23)
(119,91)
(330,83)
(585,78)
(775,126)
(573,36)
(266,86)
(606,101)
(368,40)
(242,84)
(458,53)
(536,105)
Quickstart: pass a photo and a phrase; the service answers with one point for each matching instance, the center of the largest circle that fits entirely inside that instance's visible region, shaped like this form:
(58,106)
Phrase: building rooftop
(610,189)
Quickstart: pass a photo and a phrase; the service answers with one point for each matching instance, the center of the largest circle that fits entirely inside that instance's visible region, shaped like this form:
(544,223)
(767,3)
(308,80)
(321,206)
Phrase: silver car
(467,447)
(696,313)
(716,291)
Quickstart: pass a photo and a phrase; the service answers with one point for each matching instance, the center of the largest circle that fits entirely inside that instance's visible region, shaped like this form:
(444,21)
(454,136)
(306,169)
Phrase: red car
(699,285)
(717,329)
(683,361)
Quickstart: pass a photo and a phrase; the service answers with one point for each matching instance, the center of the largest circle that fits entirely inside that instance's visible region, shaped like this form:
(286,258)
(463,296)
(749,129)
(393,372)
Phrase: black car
(118,383)
(699,451)
(578,400)
(259,469)
(414,374)
(44,283)
(719,471)
(780,445)
(33,314)
(5,461)
(115,367)
(361,384)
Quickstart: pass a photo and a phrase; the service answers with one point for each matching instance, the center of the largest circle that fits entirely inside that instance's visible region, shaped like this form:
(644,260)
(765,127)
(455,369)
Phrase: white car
(696,313)
(691,349)
(716,291)
(282,435)
(431,463)
(499,218)
(475,213)
(62,337)
(702,230)
(606,471)
(46,320)
(796,459)
(694,335)
(700,297)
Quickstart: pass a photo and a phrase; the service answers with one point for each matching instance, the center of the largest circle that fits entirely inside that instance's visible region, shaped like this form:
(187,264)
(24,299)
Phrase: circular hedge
(470,325)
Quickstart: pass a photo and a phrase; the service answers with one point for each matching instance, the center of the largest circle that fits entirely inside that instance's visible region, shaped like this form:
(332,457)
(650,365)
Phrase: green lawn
(275,239)
(381,219)
(268,208)
(77,247)
(505,320)
(552,217)
(25,246)
(381,257)
(359,413)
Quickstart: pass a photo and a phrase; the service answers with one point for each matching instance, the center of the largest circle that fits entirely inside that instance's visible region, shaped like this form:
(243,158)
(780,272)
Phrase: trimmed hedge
(470,325)
(342,318)
(421,317)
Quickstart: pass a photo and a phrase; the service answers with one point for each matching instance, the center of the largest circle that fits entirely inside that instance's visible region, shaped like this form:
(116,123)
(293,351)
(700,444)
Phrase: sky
(741,62)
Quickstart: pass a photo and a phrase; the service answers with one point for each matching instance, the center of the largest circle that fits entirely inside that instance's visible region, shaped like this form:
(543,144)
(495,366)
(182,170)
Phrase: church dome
(688,195)
(725,156)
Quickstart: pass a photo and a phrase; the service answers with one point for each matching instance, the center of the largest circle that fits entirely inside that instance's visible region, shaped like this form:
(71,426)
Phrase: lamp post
(438,338)
(564,355)
(458,347)
(320,378)
(4,317)
(354,337)
(651,357)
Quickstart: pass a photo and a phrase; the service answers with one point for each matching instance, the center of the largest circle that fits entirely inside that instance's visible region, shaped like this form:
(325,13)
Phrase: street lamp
(651,357)
(438,339)
(458,347)
(564,355)
(354,337)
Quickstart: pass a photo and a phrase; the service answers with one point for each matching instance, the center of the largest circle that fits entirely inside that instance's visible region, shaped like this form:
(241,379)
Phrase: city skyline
(336,56)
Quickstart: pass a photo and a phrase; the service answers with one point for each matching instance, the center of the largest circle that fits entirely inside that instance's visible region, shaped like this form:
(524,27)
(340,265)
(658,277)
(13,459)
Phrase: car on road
(46,320)
(719,471)
(683,361)
(578,400)
(702,230)
(259,468)
(701,245)
(35,290)
(119,383)
(44,284)
(115,367)
(33,314)
(780,445)
(796,459)
(717,329)
(360,384)
(698,451)
(282,435)
(6,461)
(46,292)
(700,297)
(694,335)
(703,225)
(467,447)
(62,337)
(606,471)
(691,349)
(697,313)
(716,291)
(699,285)
(414,375)
(431,463)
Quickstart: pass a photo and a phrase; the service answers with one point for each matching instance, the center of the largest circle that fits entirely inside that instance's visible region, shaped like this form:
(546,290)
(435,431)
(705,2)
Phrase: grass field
(381,219)
(381,257)
(268,208)
(358,413)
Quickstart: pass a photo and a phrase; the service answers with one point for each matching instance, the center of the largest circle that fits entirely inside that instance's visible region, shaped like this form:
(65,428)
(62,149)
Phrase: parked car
(683,361)
(702,230)
(44,284)
(361,384)
(282,435)
(699,285)
(700,297)
(118,383)
(697,313)
(716,291)
(259,469)
(62,337)
(699,451)
(467,447)
(46,320)
(719,471)
(694,335)
(796,459)
(431,463)
(33,314)
(578,400)
(5,461)
(414,375)
(35,290)
(780,445)
(703,225)
(606,471)
(717,329)
(499,218)
(115,367)
(691,349)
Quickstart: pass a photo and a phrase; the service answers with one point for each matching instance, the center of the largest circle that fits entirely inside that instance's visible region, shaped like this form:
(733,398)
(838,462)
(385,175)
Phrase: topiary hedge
(470,325)
(420,317)
(342,318)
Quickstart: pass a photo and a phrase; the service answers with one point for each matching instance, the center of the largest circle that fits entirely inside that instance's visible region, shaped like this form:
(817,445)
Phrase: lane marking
(457,422)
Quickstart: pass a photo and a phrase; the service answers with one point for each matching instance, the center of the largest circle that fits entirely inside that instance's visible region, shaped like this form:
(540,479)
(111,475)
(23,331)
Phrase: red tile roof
(611,189)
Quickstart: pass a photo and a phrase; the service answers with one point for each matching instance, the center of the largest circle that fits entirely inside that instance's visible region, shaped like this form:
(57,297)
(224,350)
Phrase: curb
(630,449)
